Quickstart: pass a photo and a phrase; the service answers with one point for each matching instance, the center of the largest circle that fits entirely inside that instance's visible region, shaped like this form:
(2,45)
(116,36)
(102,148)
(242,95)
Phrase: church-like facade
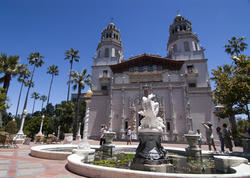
(179,81)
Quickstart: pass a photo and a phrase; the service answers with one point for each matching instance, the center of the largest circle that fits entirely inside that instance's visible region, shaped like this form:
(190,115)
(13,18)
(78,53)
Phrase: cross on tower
(178,11)
(111,20)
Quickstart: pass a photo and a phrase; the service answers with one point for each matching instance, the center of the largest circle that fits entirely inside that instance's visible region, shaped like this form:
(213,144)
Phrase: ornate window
(186,46)
(168,126)
(104,87)
(105,73)
(154,67)
(175,48)
(126,125)
(106,52)
(149,68)
(116,53)
(141,68)
(113,52)
(191,85)
(159,67)
(196,46)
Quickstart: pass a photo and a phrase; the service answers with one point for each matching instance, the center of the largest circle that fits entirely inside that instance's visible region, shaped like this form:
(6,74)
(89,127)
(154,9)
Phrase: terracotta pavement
(16,162)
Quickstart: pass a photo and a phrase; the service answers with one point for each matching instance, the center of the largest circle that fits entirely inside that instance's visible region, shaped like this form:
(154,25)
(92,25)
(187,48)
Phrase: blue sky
(53,26)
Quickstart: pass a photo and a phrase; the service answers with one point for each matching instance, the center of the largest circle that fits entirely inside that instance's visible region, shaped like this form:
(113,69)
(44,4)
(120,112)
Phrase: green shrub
(11,127)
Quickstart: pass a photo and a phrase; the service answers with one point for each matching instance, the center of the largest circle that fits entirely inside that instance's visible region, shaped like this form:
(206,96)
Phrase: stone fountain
(192,149)
(150,155)
(108,146)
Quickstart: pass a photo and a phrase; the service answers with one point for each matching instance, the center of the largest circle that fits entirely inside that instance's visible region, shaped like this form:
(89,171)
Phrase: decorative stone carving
(145,77)
(150,111)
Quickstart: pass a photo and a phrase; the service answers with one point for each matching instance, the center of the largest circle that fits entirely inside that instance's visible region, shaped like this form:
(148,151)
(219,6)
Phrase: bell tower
(109,50)
(183,44)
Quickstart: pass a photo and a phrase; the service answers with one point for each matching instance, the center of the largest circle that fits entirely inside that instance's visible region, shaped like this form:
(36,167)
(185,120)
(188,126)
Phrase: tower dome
(182,42)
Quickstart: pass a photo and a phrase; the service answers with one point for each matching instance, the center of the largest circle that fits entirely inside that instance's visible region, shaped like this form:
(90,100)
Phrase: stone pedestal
(192,149)
(68,138)
(20,138)
(149,152)
(109,136)
(107,148)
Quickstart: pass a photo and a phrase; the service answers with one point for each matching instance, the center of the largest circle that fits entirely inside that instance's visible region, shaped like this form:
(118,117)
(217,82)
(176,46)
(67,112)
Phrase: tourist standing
(209,135)
(102,140)
(218,130)
(200,138)
(129,133)
(226,134)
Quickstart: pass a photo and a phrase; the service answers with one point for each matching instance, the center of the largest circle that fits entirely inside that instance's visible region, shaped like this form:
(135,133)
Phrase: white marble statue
(150,111)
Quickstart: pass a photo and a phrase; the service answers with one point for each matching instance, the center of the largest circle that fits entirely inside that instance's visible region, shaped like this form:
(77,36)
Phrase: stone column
(78,136)
(20,132)
(41,126)
(84,149)
(58,132)
(111,104)
(86,125)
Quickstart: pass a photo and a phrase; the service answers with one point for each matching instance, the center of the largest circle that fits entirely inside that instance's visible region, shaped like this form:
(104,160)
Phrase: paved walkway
(18,163)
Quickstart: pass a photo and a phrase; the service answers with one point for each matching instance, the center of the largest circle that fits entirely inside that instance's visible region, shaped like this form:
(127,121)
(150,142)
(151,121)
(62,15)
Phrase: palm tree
(10,67)
(43,98)
(34,95)
(23,76)
(79,80)
(36,60)
(235,46)
(53,70)
(71,55)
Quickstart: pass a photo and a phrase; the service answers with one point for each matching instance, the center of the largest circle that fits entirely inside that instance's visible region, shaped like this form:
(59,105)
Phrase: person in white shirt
(200,138)
(209,135)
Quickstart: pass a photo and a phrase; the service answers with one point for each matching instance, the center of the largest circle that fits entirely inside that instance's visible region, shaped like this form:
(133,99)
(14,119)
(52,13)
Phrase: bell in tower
(183,44)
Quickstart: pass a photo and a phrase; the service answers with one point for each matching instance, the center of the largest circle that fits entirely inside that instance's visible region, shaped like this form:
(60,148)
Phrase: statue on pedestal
(150,153)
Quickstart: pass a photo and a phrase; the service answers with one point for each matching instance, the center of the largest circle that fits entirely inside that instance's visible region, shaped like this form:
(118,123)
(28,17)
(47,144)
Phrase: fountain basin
(56,152)
(76,165)
(224,163)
